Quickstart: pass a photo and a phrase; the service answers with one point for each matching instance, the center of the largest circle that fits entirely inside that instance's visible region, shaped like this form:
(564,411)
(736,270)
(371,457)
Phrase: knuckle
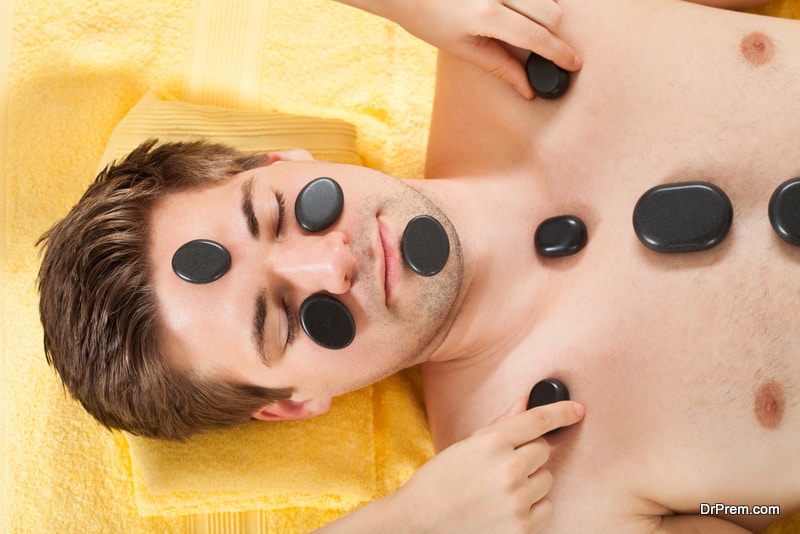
(540,37)
(555,16)
(543,419)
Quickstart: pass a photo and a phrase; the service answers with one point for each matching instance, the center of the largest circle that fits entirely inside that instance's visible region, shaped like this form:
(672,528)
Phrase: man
(685,362)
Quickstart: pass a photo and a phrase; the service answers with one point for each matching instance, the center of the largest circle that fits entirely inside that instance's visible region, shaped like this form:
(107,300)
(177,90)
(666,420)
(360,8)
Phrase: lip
(391,267)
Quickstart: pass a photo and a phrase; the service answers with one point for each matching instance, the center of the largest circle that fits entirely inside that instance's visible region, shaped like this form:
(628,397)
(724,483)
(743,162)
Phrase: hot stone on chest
(682,217)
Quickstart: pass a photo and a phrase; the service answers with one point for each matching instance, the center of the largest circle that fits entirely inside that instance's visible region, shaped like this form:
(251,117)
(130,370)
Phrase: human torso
(671,354)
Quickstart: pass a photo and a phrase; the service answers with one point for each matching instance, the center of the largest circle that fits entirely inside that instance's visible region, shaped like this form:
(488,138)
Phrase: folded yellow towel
(69,71)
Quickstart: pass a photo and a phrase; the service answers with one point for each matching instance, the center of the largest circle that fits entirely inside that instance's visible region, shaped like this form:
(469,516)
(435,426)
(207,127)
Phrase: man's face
(211,328)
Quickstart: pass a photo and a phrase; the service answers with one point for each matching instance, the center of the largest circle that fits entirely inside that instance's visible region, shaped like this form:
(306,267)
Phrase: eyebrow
(247,208)
(259,320)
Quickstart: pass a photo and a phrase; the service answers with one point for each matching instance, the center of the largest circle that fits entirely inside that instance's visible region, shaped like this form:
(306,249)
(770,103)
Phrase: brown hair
(99,312)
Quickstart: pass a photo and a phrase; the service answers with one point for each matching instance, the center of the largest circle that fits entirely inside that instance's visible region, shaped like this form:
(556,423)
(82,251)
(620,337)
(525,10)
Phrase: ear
(288,409)
(297,154)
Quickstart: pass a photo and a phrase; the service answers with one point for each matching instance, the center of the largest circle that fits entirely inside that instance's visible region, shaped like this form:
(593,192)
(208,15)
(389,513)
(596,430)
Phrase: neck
(502,281)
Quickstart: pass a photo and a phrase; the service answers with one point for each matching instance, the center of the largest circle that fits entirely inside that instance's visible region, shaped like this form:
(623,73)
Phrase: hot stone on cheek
(201,261)
(327,322)
(319,204)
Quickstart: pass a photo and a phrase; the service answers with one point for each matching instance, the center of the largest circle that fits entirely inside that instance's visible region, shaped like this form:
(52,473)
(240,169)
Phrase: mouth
(391,271)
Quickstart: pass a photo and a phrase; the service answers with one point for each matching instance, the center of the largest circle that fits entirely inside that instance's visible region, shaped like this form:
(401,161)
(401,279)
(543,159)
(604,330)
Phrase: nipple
(769,405)
(757,49)
(547,79)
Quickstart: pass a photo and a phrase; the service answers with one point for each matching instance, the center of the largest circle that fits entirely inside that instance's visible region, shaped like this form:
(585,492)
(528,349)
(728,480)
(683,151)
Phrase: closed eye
(291,325)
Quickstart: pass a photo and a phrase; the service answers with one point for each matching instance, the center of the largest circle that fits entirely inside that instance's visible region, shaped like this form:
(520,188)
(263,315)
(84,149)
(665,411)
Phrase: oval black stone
(425,245)
(319,204)
(327,322)
(682,217)
(201,261)
(784,211)
(560,236)
(547,392)
(547,79)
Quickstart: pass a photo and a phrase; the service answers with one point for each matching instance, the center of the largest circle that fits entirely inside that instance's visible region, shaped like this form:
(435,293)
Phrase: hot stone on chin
(425,245)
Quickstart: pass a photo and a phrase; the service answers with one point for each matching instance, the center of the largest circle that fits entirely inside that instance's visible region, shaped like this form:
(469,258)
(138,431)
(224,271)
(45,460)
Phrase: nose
(314,263)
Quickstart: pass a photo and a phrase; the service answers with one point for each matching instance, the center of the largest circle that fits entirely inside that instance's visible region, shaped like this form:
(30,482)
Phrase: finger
(516,408)
(536,422)
(541,512)
(540,483)
(493,58)
(535,453)
(545,12)
(522,32)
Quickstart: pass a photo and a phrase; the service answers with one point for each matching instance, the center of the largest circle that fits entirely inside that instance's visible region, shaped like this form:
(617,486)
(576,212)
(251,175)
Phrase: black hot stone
(201,261)
(560,236)
(784,211)
(547,79)
(319,204)
(425,245)
(547,392)
(682,217)
(327,322)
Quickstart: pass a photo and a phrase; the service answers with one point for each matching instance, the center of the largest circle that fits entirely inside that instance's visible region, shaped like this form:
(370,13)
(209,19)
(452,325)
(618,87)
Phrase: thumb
(494,59)
(519,406)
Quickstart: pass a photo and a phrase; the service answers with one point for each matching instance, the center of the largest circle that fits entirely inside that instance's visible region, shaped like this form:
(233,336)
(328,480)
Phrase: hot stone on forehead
(201,261)
(319,204)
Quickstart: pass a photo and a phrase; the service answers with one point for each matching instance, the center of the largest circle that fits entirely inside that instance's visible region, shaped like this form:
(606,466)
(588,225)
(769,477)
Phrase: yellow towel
(69,71)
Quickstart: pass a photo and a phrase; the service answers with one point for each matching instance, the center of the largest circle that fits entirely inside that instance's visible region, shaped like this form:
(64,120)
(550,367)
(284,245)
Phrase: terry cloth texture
(70,70)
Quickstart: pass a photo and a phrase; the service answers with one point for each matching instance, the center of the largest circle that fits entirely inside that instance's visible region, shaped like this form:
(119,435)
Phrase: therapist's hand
(493,481)
(470,30)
